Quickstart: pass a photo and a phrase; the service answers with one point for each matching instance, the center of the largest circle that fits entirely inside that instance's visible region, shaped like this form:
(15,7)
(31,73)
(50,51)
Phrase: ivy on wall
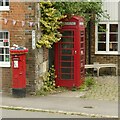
(49,23)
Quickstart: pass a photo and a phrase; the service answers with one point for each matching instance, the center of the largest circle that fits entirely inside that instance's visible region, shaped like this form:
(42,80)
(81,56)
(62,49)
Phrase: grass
(56,90)
(88,83)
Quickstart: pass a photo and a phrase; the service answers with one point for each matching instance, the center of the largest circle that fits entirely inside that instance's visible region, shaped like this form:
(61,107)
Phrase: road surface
(30,114)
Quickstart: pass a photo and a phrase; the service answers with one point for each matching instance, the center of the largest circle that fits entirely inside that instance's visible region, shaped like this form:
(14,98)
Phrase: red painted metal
(70,53)
(18,68)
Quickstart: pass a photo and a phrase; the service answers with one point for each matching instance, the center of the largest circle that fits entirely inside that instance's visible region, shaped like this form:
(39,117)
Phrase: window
(4,5)
(107,38)
(4,49)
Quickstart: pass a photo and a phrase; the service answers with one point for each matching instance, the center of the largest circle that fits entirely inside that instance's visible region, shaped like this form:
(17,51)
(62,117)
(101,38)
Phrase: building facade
(19,24)
(104,45)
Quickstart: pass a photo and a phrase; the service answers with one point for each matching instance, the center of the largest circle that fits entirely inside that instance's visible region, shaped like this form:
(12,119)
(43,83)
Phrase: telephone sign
(69,23)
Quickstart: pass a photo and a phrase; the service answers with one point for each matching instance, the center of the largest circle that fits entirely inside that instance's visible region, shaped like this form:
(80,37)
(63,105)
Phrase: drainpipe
(89,42)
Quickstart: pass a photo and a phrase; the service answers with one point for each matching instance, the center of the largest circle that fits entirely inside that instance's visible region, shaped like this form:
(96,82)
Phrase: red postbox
(19,72)
(70,53)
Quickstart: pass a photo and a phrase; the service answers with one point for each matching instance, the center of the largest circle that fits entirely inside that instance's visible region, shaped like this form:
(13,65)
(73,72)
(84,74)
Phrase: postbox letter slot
(15,63)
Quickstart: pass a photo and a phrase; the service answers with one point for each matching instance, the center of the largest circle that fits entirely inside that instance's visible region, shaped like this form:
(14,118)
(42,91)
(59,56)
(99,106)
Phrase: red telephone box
(19,72)
(70,53)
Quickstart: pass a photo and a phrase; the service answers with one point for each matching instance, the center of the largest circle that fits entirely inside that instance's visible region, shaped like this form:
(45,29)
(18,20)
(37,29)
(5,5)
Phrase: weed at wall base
(89,81)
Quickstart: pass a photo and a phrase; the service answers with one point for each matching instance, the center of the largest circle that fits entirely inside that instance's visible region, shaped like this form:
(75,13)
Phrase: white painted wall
(119,27)
(112,10)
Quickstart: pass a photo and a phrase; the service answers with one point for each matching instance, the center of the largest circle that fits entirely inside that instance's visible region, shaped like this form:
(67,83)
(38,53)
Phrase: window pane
(4,47)
(101,46)
(5,35)
(66,76)
(1,44)
(67,33)
(113,37)
(113,46)
(7,58)
(6,50)
(67,58)
(81,33)
(82,52)
(7,3)
(101,27)
(82,39)
(66,51)
(1,57)
(113,27)
(1,2)
(4,3)
(66,70)
(1,50)
(1,35)
(67,45)
(102,37)
(6,44)
(66,64)
(66,39)
(82,45)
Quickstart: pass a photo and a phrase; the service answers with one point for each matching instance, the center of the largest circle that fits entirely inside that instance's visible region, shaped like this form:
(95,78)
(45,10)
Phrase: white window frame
(4,7)
(107,39)
(6,64)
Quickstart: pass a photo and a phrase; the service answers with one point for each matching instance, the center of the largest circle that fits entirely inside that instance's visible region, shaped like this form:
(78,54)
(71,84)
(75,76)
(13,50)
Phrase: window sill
(4,64)
(4,8)
(107,53)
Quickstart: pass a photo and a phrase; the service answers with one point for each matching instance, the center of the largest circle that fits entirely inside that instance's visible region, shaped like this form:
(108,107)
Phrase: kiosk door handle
(75,52)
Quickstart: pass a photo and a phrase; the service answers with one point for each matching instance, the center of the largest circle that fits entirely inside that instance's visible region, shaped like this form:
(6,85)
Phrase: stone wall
(41,55)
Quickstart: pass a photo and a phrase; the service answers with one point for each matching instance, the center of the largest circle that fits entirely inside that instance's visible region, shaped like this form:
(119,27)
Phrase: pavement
(101,101)
(69,102)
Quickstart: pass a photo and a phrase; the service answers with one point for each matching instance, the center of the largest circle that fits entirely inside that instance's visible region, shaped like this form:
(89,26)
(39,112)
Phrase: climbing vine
(49,23)
(53,12)
(86,9)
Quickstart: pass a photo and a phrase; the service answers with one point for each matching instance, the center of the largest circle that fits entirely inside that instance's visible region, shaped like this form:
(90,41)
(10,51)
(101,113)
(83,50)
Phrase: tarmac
(68,102)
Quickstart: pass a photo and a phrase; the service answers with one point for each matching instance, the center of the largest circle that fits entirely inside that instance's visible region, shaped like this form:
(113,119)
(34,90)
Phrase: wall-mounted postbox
(70,53)
(18,72)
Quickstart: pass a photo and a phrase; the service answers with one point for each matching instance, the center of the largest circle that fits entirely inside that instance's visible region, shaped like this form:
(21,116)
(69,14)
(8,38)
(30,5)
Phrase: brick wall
(21,36)
(37,59)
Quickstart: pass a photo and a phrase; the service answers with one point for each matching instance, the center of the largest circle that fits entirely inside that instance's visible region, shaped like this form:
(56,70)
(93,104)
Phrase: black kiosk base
(19,92)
